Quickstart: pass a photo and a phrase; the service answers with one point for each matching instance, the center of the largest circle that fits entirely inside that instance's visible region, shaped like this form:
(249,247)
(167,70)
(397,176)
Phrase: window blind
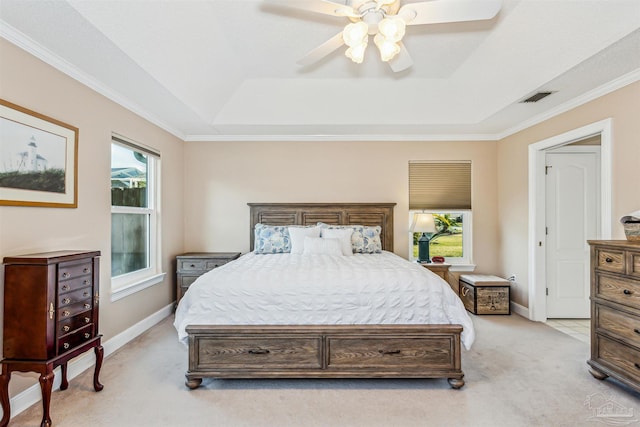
(134,146)
(440,185)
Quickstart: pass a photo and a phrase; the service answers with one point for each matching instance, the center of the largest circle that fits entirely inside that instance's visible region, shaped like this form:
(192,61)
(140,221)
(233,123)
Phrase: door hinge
(546,231)
(547,291)
(546,169)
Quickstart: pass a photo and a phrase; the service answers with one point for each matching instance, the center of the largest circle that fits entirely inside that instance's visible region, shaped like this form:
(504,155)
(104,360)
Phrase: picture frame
(38,159)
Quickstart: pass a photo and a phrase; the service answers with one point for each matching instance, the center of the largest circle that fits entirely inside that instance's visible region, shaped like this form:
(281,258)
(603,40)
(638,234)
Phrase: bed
(224,344)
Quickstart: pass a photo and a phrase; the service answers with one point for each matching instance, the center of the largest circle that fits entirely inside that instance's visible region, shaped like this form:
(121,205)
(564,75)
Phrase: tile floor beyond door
(577,328)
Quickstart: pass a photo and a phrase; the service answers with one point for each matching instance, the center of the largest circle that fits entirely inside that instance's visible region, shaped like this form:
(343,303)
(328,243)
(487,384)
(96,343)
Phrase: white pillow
(320,246)
(297,236)
(342,234)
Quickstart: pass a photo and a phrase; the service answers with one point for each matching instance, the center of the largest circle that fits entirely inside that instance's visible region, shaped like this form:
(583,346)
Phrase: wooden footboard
(335,351)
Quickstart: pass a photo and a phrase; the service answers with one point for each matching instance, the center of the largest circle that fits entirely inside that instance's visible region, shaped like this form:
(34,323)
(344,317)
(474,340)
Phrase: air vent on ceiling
(536,97)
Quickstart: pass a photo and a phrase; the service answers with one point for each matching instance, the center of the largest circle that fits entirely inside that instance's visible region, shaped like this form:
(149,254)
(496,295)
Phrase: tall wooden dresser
(50,316)
(615,311)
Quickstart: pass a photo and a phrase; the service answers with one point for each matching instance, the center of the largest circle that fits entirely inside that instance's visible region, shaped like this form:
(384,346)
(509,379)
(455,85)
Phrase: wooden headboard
(371,214)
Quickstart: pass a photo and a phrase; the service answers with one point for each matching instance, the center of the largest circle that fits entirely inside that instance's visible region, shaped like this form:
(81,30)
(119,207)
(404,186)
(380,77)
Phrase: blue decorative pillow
(271,239)
(364,240)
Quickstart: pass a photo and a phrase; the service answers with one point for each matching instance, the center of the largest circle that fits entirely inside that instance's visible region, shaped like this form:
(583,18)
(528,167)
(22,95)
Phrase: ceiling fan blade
(402,60)
(325,7)
(442,11)
(323,50)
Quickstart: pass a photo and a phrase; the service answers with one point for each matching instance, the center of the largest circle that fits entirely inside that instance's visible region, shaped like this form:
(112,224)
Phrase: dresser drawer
(623,325)
(633,263)
(618,289)
(215,263)
(468,296)
(71,270)
(389,352)
(74,309)
(621,357)
(610,260)
(71,324)
(237,353)
(73,339)
(74,284)
(74,297)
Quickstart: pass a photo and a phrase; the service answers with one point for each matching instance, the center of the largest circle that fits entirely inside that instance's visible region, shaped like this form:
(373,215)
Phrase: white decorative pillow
(320,246)
(343,235)
(297,235)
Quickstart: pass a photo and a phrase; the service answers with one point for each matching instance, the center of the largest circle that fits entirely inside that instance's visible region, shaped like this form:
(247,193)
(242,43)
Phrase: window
(134,215)
(444,190)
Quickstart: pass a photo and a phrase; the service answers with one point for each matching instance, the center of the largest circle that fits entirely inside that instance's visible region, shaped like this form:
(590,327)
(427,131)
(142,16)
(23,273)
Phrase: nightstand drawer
(191,265)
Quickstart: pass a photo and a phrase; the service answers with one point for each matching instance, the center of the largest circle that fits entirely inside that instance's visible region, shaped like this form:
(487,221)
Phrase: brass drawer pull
(85,294)
(383,352)
(608,260)
(66,328)
(66,301)
(85,270)
(87,320)
(65,287)
(65,345)
(85,282)
(87,305)
(66,275)
(66,313)
(87,335)
(259,351)
(627,292)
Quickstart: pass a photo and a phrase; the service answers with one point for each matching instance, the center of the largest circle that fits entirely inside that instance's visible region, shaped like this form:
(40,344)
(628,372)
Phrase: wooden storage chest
(482,294)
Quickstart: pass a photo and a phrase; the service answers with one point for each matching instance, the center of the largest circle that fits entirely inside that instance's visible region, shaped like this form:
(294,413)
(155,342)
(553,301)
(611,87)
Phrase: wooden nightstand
(440,268)
(192,265)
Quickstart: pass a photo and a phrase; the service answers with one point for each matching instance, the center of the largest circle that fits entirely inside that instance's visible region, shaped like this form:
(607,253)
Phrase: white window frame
(464,263)
(135,281)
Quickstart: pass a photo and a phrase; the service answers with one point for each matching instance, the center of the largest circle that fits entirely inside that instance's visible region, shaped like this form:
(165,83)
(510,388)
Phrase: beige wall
(30,83)
(622,106)
(222,177)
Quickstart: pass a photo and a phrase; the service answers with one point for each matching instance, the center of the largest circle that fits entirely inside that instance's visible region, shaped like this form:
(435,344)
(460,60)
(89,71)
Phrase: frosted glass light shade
(355,34)
(356,53)
(393,29)
(387,48)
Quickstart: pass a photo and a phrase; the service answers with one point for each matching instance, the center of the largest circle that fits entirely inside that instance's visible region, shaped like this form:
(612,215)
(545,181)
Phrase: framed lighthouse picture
(38,159)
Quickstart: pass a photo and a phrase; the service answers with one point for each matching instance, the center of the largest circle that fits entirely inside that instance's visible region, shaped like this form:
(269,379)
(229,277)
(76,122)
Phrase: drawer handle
(465,291)
(627,292)
(259,351)
(65,288)
(65,313)
(85,282)
(637,365)
(383,352)
(66,300)
(87,335)
(65,345)
(87,305)
(637,331)
(87,320)
(193,266)
(85,294)
(66,275)
(609,260)
(66,328)
(85,270)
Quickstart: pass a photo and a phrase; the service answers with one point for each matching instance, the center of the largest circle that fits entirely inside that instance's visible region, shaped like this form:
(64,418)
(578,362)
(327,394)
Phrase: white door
(572,218)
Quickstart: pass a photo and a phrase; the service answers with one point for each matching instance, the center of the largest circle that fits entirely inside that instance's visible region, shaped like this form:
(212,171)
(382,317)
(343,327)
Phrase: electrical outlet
(512,278)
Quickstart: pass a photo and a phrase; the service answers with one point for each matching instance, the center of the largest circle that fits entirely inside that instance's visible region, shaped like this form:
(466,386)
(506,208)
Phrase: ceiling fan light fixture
(388,49)
(355,34)
(356,53)
(393,29)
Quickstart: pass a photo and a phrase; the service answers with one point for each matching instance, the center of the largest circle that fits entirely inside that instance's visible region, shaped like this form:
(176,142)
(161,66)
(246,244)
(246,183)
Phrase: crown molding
(29,45)
(340,138)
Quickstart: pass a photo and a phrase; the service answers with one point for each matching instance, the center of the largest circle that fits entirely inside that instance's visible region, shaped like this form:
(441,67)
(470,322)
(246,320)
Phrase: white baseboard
(32,395)
(520,309)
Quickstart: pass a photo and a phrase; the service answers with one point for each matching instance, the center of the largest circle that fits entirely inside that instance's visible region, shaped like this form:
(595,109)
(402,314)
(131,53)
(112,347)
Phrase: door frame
(537,205)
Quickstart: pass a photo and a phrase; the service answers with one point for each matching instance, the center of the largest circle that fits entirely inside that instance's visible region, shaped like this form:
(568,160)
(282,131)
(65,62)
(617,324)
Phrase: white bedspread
(293,289)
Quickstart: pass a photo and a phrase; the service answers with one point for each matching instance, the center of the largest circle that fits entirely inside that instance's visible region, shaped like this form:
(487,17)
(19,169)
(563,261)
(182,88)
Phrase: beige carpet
(518,373)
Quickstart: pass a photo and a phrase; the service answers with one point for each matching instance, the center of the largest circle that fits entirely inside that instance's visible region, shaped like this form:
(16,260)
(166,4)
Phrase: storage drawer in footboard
(255,353)
(403,354)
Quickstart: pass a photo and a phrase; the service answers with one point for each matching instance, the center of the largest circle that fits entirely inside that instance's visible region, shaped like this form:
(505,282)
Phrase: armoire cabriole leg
(46,383)
(4,396)
(99,350)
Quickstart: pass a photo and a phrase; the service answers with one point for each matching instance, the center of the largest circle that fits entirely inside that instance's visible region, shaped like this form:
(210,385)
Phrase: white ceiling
(226,69)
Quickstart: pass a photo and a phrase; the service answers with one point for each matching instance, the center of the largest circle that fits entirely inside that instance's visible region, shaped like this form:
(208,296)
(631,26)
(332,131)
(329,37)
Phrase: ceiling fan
(386,20)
